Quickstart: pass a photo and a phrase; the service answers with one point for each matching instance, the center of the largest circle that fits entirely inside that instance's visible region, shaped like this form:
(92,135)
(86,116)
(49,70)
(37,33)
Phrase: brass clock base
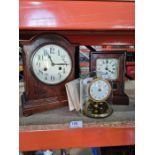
(97,109)
(32,106)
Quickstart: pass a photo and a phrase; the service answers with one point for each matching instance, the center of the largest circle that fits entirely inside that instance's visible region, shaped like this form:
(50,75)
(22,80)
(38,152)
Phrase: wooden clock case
(118,96)
(39,96)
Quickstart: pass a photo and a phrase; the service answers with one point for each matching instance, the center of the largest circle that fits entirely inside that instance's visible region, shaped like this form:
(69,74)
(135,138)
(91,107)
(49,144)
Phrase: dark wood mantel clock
(111,66)
(49,62)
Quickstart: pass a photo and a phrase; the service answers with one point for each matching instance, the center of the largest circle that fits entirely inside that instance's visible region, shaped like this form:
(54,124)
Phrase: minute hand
(61,64)
(52,63)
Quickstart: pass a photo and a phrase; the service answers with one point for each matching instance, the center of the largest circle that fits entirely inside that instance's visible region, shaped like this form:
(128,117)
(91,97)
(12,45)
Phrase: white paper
(73,94)
(83,90)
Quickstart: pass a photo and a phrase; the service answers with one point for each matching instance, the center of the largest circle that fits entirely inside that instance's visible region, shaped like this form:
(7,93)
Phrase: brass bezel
(96,79)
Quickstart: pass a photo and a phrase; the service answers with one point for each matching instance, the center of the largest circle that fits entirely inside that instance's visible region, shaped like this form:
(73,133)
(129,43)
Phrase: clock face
(51,64)
(108,68)
(99,89)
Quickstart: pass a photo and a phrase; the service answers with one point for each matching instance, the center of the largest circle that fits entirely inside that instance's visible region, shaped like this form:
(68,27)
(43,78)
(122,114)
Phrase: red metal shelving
(76,15)
(76,138)
(83,22)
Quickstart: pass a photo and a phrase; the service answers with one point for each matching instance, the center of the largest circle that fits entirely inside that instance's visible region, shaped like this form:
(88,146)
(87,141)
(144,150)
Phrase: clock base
(120,99)
(30,107)
(97,109)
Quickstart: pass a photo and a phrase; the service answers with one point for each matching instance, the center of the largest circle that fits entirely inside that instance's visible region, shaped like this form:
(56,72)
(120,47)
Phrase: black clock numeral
(38,57)
(52,50)
(64,70)
(45,52)
(52,78)
(40,72)
(46,75)
(58,52)
(65,62)
(59,75)
(63,57)
(38,64)
(114,64)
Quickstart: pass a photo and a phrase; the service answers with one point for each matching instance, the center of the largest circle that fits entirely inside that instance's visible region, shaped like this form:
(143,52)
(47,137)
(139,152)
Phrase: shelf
(76,138)
(87,15)
(50,129)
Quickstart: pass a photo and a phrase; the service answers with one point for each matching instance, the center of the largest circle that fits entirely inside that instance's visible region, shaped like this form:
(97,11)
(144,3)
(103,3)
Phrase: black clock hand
(61,64)
(107,69)
(106,63)
(52,63)
(110,71)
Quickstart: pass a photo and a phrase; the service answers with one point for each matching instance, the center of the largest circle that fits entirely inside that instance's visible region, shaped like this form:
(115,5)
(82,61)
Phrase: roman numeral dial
(108,68)
(51,64)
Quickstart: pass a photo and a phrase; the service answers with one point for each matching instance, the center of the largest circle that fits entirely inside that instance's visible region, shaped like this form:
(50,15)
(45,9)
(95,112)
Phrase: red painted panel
(76,15)
(131,71)
(89,37)
(102,39)
(76,138)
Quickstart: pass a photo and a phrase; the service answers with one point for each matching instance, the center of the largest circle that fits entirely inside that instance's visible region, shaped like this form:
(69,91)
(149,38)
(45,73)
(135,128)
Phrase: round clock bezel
(35,51)
(109,92)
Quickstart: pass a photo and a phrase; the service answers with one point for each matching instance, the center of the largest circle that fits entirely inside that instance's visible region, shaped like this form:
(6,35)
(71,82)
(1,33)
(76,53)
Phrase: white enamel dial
(51,64)
(99,89)
(108,68)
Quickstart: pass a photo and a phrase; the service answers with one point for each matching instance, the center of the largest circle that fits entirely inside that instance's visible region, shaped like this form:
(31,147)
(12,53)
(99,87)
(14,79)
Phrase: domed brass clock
(99,90)
(49,63)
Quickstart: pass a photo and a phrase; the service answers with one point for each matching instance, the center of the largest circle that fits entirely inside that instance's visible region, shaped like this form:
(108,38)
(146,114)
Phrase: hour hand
(107,69)
(110,71)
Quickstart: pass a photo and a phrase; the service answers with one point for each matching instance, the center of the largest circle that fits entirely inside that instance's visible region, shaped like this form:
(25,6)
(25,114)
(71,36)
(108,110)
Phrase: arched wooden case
(39,96)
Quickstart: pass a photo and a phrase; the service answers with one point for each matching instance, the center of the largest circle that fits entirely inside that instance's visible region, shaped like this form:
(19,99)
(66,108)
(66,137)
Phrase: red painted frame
(76,138)
(76,15)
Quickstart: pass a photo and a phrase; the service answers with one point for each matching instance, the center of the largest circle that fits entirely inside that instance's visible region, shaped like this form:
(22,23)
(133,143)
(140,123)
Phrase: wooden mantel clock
(111,66)
(49,62)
